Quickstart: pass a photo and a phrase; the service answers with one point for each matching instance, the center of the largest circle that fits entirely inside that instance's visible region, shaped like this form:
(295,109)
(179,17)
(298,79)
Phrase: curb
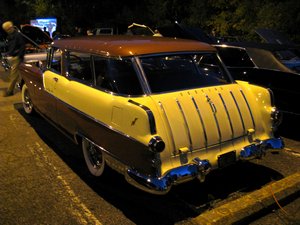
(239,209)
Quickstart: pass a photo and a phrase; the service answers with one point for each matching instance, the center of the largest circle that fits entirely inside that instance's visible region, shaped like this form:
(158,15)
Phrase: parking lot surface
(44,181)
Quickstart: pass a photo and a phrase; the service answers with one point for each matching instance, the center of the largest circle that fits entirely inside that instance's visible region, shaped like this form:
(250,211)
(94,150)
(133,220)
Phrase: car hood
(35,36)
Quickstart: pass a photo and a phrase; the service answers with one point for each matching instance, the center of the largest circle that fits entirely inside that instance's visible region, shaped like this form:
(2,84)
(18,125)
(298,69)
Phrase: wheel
(26,100)
(93,156)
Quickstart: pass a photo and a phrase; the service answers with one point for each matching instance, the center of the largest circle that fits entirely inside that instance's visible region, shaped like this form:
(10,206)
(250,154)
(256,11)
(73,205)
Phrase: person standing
(16,49)
(45,31)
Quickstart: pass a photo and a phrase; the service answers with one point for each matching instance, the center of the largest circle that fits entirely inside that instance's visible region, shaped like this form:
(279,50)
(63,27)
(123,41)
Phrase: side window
(101,74)
(123,77)
(210,66)
(117,75)
(79,66)
(54,60)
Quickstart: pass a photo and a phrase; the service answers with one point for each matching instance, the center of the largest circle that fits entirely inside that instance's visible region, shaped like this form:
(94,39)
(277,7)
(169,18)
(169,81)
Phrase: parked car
(178,30)
(103,31)
(273,36)
(256,63)
(283,49)
(274,64)
(160,111)
(36,39)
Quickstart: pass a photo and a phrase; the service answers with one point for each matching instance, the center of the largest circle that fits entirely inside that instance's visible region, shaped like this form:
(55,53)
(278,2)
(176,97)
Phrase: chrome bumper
(162,185)
(198,168)
(258,149)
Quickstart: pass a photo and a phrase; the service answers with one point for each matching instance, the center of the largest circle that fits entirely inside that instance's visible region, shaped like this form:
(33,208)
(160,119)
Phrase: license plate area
(226,159)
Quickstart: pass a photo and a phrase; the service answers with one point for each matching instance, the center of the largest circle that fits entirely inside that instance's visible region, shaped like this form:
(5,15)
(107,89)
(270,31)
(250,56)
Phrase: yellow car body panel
(200,130)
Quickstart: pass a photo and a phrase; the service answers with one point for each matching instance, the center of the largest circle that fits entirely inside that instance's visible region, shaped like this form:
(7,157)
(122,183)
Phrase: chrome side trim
(254,126)
(186,125)
(228,116)
(169,127)
(94,119)
(214,110)
(150,115)
(201,120)
(239,110)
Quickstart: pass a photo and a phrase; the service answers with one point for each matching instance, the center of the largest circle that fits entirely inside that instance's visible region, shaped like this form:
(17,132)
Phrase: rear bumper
(196,169)
(259,149)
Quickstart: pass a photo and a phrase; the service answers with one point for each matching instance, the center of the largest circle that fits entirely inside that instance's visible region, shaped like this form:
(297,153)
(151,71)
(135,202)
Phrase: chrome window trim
(175,53)
(141,75)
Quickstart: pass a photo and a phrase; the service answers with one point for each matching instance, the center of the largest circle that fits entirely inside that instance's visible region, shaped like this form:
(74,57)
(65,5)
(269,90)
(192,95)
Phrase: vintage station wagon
(161,111)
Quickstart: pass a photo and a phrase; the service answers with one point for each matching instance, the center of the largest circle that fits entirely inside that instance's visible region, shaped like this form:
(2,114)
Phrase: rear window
(166,73)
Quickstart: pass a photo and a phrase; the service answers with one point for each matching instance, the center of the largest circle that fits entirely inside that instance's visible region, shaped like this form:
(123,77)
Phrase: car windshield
(166,73)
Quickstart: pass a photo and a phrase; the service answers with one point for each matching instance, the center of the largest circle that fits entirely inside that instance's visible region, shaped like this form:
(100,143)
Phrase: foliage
(224,17)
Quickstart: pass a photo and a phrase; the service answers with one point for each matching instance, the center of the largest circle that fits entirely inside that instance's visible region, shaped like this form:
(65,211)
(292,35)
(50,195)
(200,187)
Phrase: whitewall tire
(26,100)
(93,157)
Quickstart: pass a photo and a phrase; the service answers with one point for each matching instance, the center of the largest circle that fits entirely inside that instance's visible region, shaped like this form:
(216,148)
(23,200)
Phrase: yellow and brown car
(161,111)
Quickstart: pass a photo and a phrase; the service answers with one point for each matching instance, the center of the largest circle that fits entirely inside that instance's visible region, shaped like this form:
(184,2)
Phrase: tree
(226,17)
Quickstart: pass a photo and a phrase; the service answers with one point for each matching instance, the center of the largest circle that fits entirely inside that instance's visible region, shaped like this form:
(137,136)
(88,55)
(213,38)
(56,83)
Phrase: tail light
(276,117)
(156,144)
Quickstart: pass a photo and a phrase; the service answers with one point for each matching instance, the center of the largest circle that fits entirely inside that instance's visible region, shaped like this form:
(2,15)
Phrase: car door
(51,76)
(78,102)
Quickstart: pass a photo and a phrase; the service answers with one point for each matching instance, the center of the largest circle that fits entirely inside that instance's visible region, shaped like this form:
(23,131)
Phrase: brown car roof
(127,45)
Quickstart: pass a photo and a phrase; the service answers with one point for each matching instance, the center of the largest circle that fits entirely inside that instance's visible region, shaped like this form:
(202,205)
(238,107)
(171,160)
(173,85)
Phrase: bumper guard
(258,149)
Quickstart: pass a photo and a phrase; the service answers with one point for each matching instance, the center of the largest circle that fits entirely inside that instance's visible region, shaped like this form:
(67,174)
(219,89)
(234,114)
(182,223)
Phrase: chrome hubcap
(95,155)
(27,102)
